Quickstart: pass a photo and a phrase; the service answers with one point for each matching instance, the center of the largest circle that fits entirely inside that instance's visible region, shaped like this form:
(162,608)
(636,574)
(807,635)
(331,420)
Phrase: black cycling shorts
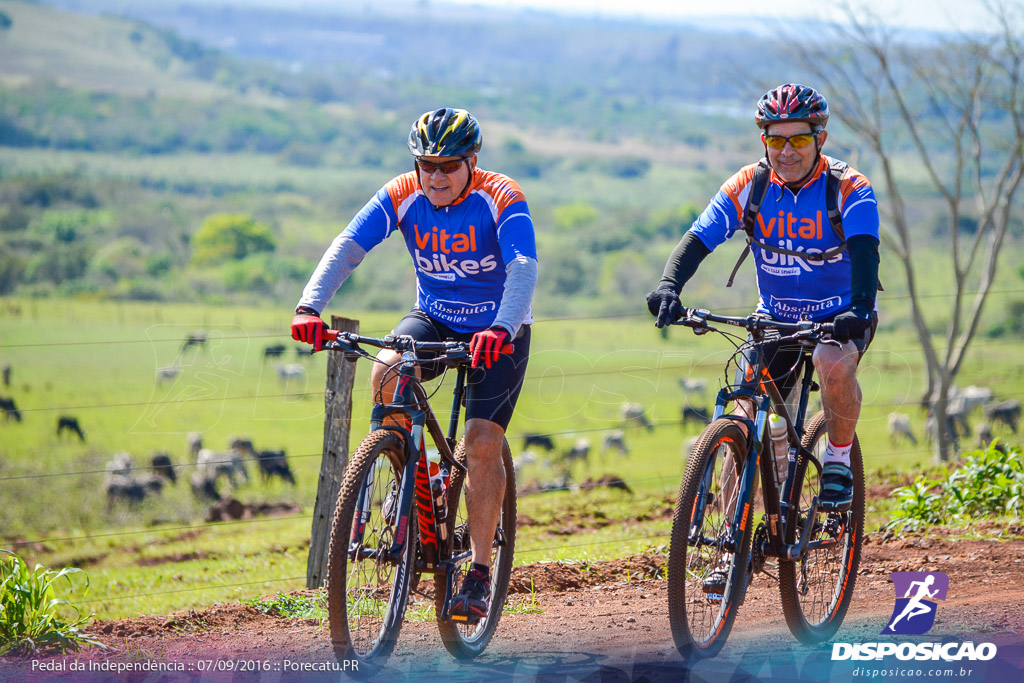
(780,359)
(490,394)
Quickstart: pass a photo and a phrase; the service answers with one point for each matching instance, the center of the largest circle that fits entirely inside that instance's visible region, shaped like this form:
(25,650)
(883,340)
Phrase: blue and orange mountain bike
(400,516)
(715,547)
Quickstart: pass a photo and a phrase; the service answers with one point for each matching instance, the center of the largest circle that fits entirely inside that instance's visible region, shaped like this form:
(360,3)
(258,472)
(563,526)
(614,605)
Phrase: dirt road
(610,624)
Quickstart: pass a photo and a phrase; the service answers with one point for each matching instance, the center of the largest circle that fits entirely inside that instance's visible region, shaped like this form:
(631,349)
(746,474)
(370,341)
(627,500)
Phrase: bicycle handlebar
(698,319)
(402,343)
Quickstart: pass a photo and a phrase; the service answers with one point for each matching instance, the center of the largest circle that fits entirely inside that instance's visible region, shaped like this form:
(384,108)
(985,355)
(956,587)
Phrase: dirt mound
(553,577)
(232,509)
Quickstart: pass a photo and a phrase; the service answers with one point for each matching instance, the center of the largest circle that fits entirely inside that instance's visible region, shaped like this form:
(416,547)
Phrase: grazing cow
(1007,412)
(579,451)
(975,397)
(69,423)
(123,484)
(691,414)
(203,488)
(542,441)
(303,352)
(167,374)
(10,409)
(956,413)
(984,434)
(273,351)
(696,387)
(121,465)
(634,412)
(212,464)
(290,371)
(274,464)
(197,339)
(899,428)
(195,444)
(615,439)
(162,465)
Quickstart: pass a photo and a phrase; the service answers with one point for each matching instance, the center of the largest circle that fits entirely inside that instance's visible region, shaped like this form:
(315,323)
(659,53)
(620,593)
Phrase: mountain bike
(715,548)
(400,516)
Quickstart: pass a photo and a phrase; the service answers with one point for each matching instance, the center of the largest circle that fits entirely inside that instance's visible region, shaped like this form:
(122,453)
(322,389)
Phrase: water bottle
(780,445)
(438,493)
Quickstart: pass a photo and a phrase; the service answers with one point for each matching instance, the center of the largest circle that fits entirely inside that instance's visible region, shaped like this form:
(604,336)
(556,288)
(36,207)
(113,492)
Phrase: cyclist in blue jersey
(471,240)
(809,264)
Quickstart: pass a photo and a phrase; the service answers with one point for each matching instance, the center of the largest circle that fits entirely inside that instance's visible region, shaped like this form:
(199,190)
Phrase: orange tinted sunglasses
(798,141)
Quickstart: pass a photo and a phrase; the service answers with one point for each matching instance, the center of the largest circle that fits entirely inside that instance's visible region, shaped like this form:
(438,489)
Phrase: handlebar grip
(508,349)
(329,335)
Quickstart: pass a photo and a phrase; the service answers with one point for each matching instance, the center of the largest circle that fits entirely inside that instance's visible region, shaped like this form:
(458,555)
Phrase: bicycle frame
(778,512)
(410,401)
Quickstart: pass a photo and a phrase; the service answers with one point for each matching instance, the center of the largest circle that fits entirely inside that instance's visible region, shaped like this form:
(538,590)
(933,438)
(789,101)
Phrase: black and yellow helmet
(445,132)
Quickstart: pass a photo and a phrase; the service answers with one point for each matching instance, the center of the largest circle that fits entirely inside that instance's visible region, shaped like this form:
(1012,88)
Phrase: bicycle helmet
(792,102)
(445,132)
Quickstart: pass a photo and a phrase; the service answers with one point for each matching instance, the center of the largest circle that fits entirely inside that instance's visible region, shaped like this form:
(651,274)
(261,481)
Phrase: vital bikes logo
(441,255)
(780,231)
(917,596)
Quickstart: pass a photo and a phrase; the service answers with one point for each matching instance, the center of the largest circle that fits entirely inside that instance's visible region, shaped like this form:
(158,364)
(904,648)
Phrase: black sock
(482,568)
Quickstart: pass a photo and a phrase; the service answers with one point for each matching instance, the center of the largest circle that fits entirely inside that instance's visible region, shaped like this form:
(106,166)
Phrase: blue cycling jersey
(460,252)
(791,286)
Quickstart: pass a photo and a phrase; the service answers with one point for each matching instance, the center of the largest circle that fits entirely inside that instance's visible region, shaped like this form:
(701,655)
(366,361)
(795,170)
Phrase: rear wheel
(366,593)
(707,564)
(466,641)
(816,589)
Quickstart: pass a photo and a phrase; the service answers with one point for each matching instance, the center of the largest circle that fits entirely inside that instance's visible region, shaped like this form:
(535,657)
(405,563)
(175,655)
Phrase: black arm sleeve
(683,262)
(863,271)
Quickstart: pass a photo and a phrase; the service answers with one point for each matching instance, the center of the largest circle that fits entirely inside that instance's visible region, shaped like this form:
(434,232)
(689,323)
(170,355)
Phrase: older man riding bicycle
(812,225)
(470,236)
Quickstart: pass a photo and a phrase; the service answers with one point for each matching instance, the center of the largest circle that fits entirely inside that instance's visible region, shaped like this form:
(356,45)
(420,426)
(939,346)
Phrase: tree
(956,108)
(229,236)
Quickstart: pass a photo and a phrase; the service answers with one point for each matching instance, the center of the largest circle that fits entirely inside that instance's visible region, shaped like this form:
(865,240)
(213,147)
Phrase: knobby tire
(366,598)
(700,625)
(467,641)
(817,588)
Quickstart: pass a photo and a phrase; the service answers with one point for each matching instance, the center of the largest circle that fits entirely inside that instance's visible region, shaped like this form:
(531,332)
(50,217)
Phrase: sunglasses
(798,141)
(446,167)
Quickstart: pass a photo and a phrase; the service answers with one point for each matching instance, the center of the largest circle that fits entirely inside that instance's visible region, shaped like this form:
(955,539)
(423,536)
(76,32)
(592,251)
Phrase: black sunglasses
(446,167)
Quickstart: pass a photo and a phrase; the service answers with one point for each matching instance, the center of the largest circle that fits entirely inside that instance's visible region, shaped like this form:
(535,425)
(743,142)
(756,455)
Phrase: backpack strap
(758,191)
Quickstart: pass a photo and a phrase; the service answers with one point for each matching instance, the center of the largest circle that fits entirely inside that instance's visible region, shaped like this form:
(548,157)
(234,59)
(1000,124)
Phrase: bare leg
(840,392)
(485,484)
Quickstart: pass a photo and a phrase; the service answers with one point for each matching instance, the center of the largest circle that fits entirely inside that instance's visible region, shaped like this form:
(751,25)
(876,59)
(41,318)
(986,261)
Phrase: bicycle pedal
(463,619)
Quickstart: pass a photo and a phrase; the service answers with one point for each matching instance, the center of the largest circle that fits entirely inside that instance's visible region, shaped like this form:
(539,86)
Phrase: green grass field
(98,362)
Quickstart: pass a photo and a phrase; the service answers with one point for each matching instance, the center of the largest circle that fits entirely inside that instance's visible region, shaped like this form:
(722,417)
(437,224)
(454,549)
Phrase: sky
(942,15)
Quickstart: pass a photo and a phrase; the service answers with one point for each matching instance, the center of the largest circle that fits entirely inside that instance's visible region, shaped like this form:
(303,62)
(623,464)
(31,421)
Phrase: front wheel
(707,562)
(366,591)
(466,641)
(816,589)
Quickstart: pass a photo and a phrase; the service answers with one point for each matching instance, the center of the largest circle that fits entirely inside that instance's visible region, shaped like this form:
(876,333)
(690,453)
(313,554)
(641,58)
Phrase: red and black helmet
(792,102)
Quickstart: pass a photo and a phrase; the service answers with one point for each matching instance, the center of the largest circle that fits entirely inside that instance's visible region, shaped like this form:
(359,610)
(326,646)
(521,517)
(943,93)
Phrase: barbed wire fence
(671,478)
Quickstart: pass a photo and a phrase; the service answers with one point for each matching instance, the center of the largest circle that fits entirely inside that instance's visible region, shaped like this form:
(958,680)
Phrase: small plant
(29,609)
(293,606)
(988,483)
(531,606)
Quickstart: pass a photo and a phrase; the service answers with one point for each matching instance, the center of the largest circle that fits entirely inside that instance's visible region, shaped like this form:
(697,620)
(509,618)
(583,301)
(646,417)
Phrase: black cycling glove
(851,324)
(664,304)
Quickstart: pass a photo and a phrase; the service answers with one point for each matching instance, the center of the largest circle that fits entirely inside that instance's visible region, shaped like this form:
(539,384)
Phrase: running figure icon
(920,592)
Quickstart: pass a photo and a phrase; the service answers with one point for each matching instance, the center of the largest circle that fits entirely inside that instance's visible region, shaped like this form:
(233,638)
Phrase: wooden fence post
(337,423)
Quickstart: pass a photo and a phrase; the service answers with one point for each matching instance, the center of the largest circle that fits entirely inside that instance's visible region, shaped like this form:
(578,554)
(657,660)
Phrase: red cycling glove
(308,328)
(487,344)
